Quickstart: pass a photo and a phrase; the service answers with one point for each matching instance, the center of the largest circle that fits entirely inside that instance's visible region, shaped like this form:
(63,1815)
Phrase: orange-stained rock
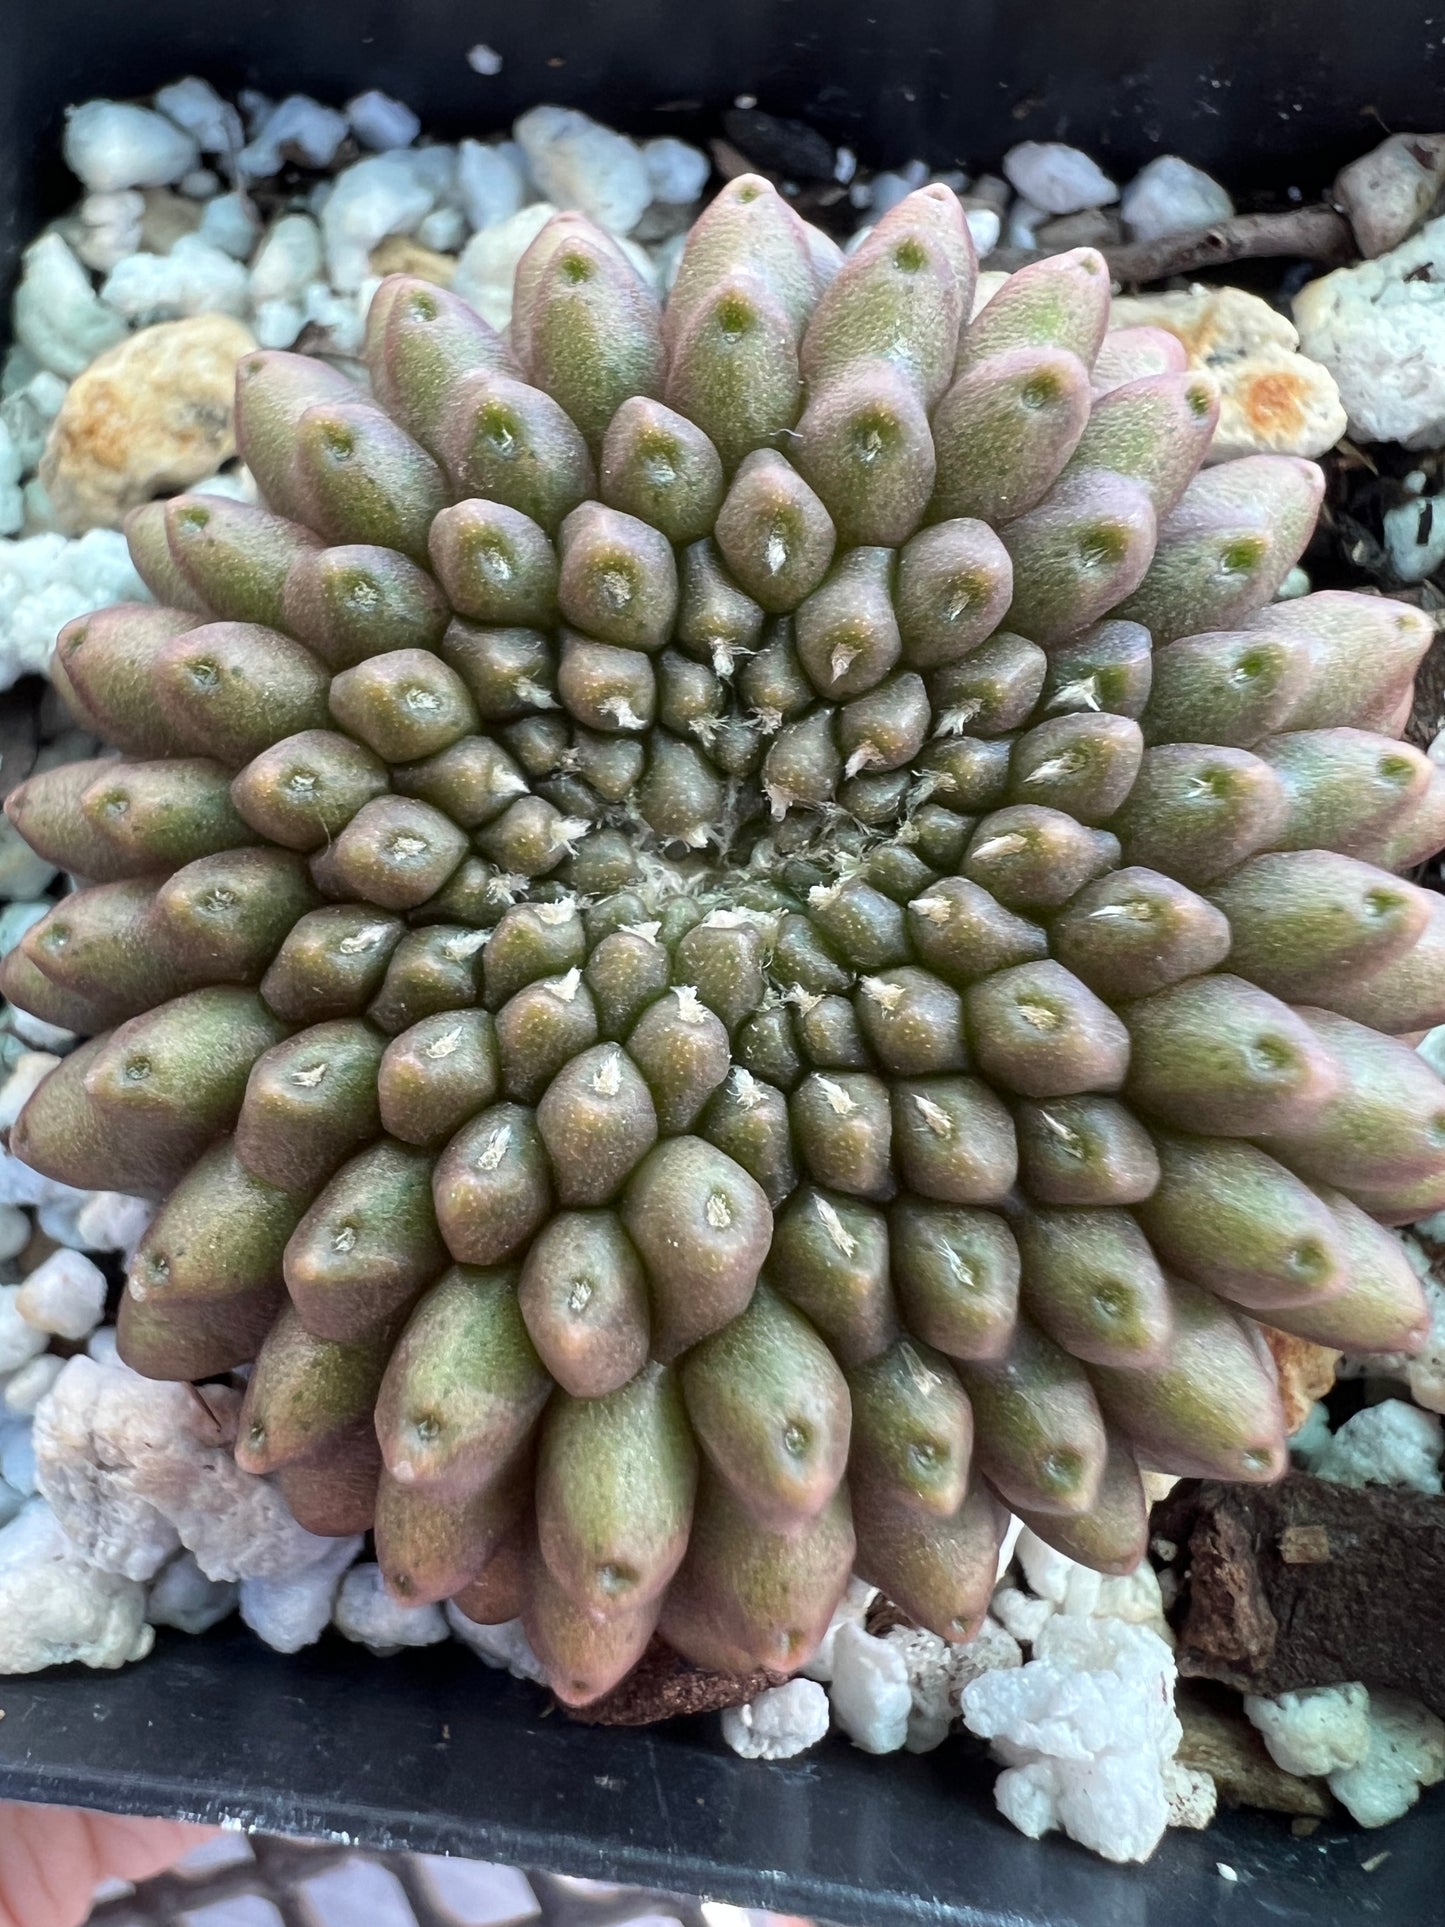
(151,415)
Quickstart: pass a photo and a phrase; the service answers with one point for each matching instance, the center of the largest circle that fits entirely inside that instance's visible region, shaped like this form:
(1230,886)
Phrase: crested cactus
(737,937)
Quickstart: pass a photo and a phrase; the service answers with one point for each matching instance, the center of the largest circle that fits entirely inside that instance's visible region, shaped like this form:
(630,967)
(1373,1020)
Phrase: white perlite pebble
(1392,1443)
(1406,1752)
(27,413)
(33,1030)
(780,1723)
(381,123)
(111,1221)
(55,1609)
(19,1340)
(12,497)
(15,1231)
(102,1347)
(111,144)
(343,316)
(578,163)
(384,194)
(676,172)
(19,1183)
(182,1596)
(1415,538)
(1313,1437)
(276,324)
(444,229)
(297,124)
(136,1468)
(1192,1796)
(64,1296)
(483,59)
(1315,1731)
(1057,178)
(29,1068)
(366,1613)
(58,315)
(17,1456)
(25,1389)
(1386,193)
(294,1611)
(193,279)
(870,1694)
(938,1672)
(194,104)
(856,1600)
(984,228)
(112,224)
(231,224)
(1170,196)
(504,1646)
(1380,330)
(287,261)
(490,183)
(45,580)
(489,261)
(1023,1615)
(1088,1730)
(1021,230)
(17,918)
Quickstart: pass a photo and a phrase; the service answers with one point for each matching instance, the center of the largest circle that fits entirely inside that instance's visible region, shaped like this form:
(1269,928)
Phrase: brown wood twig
(1316,233)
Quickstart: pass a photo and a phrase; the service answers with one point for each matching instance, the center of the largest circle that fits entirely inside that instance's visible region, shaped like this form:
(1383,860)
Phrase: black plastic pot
(430,1750)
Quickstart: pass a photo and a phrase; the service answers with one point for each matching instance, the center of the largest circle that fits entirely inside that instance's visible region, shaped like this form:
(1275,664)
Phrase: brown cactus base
(665,1686)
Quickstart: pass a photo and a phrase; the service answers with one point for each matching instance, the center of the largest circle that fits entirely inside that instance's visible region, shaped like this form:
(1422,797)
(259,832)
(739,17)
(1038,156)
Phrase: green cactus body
(738,937)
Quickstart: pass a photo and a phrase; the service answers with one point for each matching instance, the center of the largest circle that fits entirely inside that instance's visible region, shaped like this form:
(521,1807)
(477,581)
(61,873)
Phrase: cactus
(737,938)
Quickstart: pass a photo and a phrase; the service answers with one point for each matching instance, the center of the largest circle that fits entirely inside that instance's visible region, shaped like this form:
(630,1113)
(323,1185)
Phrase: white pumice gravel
(578,163)
(231,224)
(297,125)
(19,1340)
(1406,1752)
(1171,196)
(212,122)
(287,261)
(25,1388)
(780,1723)
(870,1693)
(366,1613)
(381,123)
(1087,1731)
(194,278)
(57,313)
(292,1609)
(489,260)
(64,1297)
(676,172)
(57,1609)
(182,1596)
(384,194)
(504,1646)
(113,144)
(1057,178)
(15,1232)
(112,1221)
(1392,1443)
(1380,330)
(135,1468)
(1316,1730)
